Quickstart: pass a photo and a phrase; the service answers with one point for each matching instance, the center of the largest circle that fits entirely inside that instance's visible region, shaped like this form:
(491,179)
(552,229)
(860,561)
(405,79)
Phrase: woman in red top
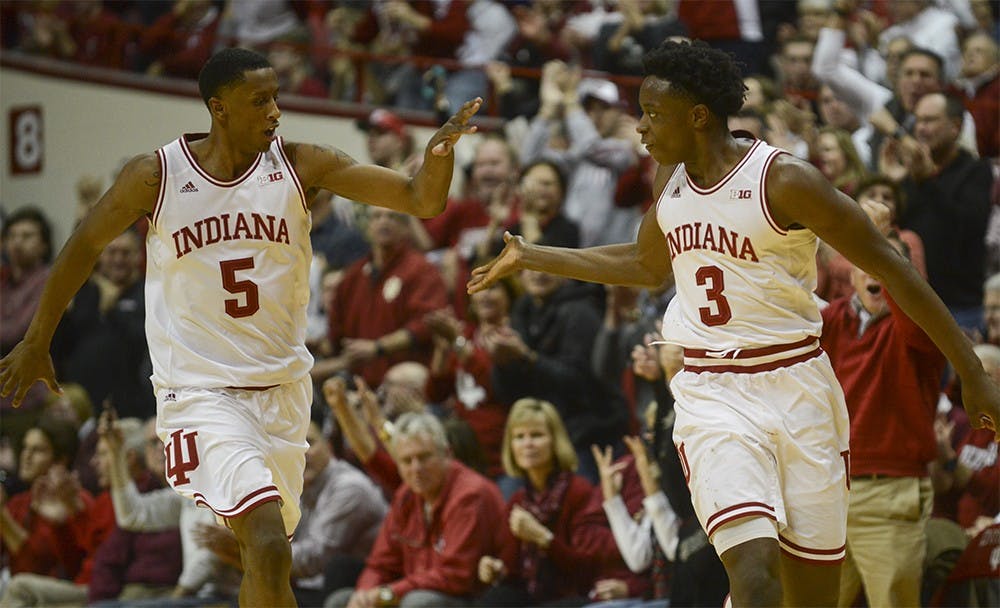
(563,540)
(44,528)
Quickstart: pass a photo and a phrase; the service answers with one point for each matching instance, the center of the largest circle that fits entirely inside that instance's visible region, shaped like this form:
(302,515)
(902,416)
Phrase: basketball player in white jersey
(761,424)
(226,292)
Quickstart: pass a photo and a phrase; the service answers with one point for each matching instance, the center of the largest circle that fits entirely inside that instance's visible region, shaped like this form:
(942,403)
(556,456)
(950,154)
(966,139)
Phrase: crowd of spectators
(512,448)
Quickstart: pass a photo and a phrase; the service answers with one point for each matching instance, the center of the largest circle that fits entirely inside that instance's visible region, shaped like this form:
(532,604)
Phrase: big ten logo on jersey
(740,194)
(270,178)
(181,453)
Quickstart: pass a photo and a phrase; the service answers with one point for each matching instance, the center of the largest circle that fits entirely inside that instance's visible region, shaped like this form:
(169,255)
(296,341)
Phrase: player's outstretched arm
(131,196)
(644,263)
(423,195)
(799,194)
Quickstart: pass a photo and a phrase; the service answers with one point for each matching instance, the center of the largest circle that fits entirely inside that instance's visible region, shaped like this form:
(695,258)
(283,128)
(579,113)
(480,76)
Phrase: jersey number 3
(713,278)
(251,302)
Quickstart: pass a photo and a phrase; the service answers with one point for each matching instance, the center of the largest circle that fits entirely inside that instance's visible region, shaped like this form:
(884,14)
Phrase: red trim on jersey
(249,501)
(163,185)
(813,551)
(753,369)
(763,194)
(295,175)
(759,508)
(732,172)
(750,353)
(212,180)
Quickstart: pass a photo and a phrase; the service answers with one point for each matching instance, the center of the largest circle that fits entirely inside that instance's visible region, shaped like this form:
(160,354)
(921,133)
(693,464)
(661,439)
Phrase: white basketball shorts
(767,439)
(233,449)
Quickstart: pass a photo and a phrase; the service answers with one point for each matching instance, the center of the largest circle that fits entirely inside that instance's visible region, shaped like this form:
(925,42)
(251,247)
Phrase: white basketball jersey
(742,280)
(227,274)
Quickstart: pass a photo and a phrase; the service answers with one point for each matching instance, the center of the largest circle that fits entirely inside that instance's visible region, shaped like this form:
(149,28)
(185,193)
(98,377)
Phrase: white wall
(94,129)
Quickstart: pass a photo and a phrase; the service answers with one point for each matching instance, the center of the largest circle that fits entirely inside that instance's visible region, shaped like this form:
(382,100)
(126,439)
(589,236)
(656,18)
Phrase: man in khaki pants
(890,372)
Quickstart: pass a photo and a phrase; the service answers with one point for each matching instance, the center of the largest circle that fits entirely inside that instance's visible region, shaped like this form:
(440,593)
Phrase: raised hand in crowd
(609,471)
(647,469)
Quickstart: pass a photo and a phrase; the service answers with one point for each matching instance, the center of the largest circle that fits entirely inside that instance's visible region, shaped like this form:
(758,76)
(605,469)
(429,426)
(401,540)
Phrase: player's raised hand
(443,141)
(504,264)
(22,367)
(981,399)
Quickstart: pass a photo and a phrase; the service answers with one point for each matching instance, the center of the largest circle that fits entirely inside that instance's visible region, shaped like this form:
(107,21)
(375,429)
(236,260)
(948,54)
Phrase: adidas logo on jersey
(171,396)
(189,187)
(676,193)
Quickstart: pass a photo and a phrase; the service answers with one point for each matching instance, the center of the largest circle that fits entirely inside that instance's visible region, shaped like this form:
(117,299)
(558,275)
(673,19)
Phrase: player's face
(251,109)
(664,126)
(37,456)
(531,446)
(422,465)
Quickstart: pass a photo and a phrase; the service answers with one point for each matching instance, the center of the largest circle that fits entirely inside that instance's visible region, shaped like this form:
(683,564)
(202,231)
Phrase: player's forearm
(431,183)
(609,264)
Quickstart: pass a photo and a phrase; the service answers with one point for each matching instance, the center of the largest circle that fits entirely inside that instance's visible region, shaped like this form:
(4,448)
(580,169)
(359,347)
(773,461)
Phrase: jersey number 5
(712,276)
(247,288)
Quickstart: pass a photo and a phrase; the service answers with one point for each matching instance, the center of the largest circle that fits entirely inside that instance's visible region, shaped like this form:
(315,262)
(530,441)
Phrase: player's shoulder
(301,153)
(144,169)
(787,171)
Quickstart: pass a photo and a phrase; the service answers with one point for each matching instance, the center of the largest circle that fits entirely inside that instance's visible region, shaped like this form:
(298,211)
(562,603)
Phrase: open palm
(504,264)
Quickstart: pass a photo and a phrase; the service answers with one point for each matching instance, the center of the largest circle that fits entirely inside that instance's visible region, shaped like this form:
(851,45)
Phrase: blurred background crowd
(542,398)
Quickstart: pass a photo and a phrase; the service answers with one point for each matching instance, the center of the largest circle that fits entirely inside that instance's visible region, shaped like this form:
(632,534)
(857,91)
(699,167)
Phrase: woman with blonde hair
(561,537)
(834,154)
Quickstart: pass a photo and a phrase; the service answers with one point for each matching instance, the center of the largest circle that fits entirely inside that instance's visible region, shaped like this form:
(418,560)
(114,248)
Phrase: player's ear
(217,107)
(699,115)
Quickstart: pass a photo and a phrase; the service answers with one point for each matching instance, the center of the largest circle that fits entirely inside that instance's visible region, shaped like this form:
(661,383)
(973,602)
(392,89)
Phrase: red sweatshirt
(442,555)
(891,376)
(51,549)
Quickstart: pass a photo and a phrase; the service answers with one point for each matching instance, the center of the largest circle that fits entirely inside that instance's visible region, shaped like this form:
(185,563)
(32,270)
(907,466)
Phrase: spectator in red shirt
(890,372)
(377,318)
(441,521)
(48,529)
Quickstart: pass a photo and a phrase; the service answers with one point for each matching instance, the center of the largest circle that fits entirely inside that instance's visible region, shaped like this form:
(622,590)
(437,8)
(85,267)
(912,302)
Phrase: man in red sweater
(890,372)
(442,520)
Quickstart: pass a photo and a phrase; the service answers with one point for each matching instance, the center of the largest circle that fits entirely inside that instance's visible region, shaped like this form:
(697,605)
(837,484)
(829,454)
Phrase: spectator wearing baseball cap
(389,140)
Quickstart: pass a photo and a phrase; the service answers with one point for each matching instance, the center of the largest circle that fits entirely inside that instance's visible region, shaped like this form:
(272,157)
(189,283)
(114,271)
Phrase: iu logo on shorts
(182,456)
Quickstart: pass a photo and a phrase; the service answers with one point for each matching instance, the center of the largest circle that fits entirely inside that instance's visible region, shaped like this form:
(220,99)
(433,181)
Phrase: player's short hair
(708,76)
(227,68)
(531,409)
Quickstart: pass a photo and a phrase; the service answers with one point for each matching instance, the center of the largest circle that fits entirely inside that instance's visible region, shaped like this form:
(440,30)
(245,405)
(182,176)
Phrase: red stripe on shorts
(753,508)
(753,369)
(249,501)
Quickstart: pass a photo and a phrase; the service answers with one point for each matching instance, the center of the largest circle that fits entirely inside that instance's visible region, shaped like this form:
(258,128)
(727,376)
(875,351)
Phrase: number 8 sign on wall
(27,144)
